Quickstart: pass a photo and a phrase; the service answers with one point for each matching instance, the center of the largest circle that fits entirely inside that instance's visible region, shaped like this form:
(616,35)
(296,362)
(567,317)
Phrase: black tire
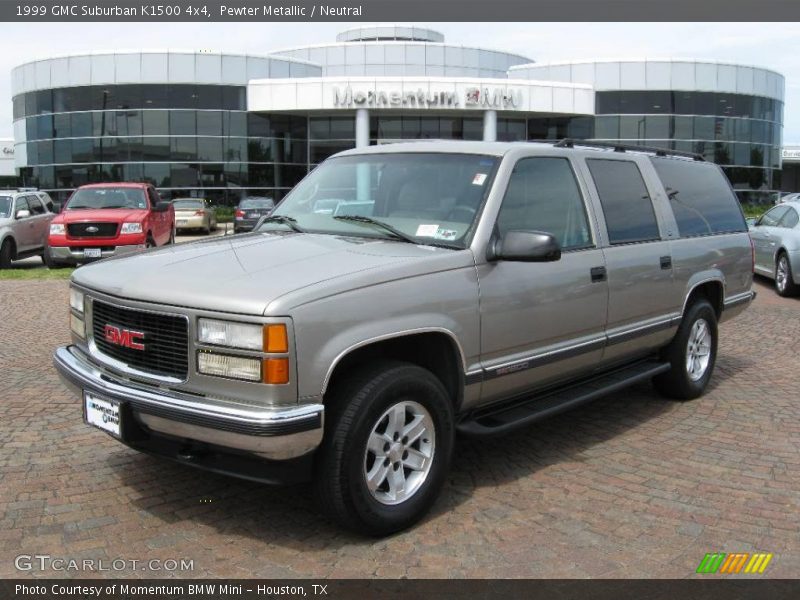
(6,254)
(678,383)
(785,286)
(171,239)
(149,242)
(353,412)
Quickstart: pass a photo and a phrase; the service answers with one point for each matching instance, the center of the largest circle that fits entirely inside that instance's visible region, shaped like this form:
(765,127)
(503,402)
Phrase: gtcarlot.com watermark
(46,562)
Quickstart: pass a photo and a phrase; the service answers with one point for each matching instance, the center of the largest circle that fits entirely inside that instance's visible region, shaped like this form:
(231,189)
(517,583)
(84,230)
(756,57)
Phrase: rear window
(178,204)
(107,198)
(256,203)
(701,198)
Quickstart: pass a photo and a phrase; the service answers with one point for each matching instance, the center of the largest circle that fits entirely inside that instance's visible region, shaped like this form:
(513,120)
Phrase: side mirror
(524,246)
(162,206)
(23,214)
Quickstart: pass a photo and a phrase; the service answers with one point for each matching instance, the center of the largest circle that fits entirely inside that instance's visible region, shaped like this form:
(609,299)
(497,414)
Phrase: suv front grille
(165,340)
(81,230)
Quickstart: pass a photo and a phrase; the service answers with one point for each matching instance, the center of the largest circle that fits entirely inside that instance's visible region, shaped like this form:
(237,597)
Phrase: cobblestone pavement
(630,486)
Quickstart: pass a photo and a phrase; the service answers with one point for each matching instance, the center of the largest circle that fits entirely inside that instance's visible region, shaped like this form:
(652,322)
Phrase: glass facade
(178,137)
(742,133)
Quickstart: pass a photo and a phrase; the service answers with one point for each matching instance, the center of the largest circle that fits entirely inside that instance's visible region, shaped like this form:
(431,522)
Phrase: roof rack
(616,147)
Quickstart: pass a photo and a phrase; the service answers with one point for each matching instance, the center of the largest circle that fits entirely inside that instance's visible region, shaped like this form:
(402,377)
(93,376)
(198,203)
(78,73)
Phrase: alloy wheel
(698,350)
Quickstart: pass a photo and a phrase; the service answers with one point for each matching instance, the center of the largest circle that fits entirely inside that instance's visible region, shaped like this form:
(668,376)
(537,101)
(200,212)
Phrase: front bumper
(155,416)
(77,254)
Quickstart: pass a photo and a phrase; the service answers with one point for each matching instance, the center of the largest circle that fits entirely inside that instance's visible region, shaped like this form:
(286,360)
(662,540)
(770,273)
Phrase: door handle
(598,274)
(666,262)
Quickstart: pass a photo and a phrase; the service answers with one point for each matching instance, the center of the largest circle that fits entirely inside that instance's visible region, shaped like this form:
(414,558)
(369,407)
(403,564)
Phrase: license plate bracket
(103,413)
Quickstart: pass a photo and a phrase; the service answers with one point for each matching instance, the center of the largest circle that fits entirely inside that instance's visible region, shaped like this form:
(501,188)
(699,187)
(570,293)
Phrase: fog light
(232,367)
(77,325)
(276,370)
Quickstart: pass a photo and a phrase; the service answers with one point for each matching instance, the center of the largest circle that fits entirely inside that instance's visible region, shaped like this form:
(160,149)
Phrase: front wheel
(784,280)
(692,354)
(387,448)
(6,254)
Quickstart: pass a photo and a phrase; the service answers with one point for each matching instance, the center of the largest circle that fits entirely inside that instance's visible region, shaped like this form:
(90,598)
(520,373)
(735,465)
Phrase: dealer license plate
(102,413)
(181,221)
(92,253)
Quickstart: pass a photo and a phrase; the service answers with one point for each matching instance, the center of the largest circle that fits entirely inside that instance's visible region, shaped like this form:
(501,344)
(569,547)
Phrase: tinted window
(179,204)
(35,205)
(771,218)
(542,195)
(700,196)
(626,202)
(790,219)
(22,204)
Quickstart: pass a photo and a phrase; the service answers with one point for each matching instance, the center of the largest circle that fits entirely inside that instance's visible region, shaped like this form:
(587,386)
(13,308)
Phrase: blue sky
(771,45)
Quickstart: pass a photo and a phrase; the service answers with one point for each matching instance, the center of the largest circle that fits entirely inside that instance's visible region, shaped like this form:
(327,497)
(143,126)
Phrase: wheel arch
(9,237)
(712,289)
(434,349)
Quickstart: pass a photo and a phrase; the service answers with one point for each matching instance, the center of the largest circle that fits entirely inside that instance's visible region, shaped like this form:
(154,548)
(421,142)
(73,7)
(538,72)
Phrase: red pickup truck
(108,219)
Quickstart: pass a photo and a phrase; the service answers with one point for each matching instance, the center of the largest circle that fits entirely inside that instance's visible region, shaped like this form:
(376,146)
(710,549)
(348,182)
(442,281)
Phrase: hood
(101,215)
(245,273)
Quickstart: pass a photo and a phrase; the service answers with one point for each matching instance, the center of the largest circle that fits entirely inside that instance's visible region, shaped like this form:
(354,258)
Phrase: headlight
(57,229)
(76,300)
(233,367)
(131,228)
(233,335)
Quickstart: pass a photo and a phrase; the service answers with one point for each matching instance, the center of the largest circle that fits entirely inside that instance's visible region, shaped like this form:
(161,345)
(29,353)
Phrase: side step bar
(502,419)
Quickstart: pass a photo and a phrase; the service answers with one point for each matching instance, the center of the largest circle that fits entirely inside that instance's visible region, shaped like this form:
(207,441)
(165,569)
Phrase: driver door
(543,321)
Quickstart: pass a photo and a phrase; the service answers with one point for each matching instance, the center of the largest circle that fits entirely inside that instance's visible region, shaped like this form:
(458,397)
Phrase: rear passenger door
(41,220)
(642,303)
(542,322)
(764,236)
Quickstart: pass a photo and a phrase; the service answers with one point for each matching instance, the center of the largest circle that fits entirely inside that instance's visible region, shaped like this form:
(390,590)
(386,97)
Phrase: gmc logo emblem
(127,338)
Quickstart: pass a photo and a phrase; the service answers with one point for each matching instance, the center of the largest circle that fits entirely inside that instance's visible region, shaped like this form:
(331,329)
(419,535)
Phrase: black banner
(41,11)
(715,588)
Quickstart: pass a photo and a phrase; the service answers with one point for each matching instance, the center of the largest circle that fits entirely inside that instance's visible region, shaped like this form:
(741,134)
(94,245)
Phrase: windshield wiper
(284,220)
(369,220)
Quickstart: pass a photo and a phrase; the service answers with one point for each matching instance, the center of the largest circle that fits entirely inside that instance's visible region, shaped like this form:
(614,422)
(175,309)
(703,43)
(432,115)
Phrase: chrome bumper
(68,253)
(272,433)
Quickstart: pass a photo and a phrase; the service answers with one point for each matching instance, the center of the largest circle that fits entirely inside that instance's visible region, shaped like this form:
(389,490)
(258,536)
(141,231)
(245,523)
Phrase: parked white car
(24,224)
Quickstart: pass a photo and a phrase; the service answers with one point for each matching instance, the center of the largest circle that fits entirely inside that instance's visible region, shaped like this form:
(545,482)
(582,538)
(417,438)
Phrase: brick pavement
(630,486)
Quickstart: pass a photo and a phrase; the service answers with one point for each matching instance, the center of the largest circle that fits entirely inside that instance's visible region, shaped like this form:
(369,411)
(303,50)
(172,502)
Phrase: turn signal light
(275,338)
(276,370)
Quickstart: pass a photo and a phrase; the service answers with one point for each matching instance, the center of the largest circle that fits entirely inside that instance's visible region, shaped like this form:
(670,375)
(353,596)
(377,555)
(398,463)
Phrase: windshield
(432,198)
(257,203)
(178,204)
(107,198)
(5,206)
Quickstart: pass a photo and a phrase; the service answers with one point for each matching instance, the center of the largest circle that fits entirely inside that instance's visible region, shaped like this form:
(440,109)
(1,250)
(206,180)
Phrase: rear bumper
(181,427)
(191,222)
(244,224)
(77,254)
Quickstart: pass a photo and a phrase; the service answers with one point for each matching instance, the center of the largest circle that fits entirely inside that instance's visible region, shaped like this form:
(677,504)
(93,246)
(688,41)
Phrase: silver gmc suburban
(401,294)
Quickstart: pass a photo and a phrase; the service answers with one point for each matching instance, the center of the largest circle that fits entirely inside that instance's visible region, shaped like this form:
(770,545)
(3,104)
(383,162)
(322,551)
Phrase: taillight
(239,213)
(752,254)
(199,213)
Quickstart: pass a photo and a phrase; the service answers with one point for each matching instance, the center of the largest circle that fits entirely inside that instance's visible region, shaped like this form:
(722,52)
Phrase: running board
(505,418)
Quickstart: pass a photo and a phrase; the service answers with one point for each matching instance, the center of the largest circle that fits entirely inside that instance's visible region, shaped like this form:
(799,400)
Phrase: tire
(171,239)
(784,280)
(150,242)
(696,336)
(6,254)
(368,405)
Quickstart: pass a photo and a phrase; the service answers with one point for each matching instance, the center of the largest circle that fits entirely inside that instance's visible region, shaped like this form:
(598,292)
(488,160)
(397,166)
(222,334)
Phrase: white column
(362,128)
(490,126)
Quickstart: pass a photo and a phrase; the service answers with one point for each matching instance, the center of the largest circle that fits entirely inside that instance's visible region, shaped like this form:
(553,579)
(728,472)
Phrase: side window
(48,202)
(22,204)
(700,197)
(771,217)
(543,195)
(626,203)
(35,205)
(790,219)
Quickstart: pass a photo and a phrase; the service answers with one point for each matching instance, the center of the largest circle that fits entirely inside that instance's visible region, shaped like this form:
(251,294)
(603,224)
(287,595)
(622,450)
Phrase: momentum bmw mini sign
(474,97)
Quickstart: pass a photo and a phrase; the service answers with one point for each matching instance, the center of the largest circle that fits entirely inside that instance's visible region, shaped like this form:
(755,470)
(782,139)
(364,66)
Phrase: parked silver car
(24,224)
(454,286)
(776,243)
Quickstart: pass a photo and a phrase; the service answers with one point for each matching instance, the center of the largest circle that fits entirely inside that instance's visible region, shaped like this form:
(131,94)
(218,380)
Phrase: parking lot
(630,486)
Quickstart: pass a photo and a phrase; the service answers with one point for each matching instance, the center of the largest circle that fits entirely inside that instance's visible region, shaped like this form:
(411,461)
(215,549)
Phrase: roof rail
(616,147)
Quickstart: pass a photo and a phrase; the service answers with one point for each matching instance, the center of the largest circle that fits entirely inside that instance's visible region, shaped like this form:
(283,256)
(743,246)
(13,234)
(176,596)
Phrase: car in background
(776,246)
(24,221)
(109,219)
(250,211)
(194,213)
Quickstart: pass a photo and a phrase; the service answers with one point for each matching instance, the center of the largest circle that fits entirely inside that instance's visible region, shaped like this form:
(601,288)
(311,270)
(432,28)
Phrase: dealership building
(224,125)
